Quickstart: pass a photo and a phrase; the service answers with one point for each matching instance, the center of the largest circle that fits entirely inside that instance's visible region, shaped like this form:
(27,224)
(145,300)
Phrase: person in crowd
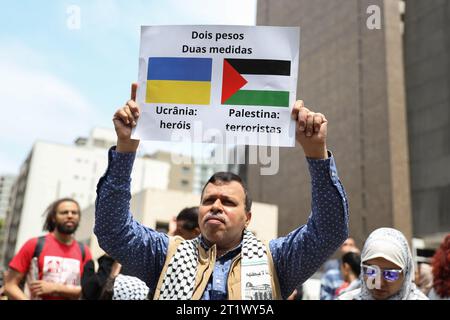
(92,282)
(441,272)
(350,270)
(53,264)
(387,269)
(226,261)
(332,278)
(185,224)
(424,277)
(110,283)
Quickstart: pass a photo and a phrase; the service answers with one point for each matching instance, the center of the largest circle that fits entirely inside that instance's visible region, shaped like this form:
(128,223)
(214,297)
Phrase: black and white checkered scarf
(179,280)
(129,288)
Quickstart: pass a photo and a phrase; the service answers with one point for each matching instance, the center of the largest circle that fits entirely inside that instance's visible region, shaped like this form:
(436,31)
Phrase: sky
(60,79)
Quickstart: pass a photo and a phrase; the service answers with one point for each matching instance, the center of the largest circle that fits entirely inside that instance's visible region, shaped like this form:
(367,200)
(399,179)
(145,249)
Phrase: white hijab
(391,245)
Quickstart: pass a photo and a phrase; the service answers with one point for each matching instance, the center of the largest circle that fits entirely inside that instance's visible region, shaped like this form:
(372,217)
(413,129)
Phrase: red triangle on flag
(232,81)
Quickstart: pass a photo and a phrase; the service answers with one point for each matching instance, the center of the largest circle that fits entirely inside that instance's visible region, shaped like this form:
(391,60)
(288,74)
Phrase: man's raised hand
(124,121)
(310,131)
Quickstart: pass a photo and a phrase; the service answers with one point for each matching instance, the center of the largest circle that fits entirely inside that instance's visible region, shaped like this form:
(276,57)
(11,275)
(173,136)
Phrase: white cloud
(36,105)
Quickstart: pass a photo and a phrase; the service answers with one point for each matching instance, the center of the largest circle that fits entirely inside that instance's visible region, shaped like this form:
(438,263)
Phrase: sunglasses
(390,275)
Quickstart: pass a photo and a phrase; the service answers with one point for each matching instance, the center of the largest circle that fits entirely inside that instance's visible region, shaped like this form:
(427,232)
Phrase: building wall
(6,189)
(181,176)
(14,212)
(354,76)
(152,206)
(57,171)
(427,65)
(6,184)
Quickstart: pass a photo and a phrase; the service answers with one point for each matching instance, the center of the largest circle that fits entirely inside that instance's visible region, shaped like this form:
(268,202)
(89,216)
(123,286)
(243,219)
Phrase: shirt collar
(231,252)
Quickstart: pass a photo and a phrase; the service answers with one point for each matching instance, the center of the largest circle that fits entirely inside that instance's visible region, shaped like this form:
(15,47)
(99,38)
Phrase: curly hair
(441,269)
(50,213)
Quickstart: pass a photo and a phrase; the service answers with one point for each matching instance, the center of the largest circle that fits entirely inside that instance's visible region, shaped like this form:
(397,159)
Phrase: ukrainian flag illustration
(179,80)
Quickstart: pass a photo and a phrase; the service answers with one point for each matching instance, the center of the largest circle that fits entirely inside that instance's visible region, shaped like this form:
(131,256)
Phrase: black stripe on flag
(261,66)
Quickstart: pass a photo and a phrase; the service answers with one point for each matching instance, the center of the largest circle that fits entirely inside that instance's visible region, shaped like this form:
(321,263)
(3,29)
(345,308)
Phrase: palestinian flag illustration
(256,82)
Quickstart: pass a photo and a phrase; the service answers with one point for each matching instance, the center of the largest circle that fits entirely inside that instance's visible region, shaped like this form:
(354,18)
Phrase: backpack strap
(83,251)
(39,245)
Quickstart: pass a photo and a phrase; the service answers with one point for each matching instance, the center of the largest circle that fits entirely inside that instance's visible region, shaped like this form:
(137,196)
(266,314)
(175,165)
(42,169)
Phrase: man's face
(67,217)
(344,271)
(348,246)
(222,216)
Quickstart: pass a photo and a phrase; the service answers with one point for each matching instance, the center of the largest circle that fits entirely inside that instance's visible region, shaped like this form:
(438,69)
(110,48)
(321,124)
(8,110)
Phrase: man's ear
(248,216)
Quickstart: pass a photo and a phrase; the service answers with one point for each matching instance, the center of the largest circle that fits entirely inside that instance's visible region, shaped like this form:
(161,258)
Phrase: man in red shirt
(60,259)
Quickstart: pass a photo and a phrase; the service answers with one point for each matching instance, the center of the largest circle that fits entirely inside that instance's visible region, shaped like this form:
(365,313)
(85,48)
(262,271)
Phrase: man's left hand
(311,131)
(42,288)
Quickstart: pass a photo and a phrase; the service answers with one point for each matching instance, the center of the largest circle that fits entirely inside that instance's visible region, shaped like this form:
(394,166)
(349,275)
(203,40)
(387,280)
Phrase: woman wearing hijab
(387,269)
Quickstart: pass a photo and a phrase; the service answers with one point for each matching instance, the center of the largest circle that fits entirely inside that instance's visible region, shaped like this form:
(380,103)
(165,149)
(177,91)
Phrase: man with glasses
(53,264)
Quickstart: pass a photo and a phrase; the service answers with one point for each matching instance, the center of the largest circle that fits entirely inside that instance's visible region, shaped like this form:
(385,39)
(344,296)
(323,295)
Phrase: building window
(184,183)
(186,169)
(99,143)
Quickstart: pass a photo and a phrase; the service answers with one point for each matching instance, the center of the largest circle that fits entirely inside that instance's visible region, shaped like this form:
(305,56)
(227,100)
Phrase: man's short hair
(190,218)
(227,177)
(50,213)
(354,261)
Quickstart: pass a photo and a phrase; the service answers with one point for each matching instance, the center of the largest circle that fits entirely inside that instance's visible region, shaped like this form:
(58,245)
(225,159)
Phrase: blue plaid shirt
(330,282)
(142,251)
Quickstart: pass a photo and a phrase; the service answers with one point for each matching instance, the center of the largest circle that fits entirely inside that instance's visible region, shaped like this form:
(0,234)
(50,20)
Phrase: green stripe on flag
(259,98)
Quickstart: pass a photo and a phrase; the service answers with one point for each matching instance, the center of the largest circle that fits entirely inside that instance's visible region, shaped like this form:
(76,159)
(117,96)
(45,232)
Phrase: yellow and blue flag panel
(179,80)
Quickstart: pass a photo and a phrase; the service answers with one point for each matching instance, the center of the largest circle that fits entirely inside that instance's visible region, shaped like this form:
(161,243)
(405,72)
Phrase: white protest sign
(218,84)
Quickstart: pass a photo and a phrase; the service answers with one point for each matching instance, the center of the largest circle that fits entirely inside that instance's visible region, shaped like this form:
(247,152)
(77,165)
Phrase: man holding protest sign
(226,261)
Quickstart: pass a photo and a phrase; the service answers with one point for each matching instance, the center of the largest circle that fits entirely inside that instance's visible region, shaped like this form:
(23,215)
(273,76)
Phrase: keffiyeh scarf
(179,280)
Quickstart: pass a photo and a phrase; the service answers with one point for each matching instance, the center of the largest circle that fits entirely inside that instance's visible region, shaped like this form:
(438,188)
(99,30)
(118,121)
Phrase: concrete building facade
(53,171)
(354,75)
(427,69)
(6,187)
(181,176)
(6,184)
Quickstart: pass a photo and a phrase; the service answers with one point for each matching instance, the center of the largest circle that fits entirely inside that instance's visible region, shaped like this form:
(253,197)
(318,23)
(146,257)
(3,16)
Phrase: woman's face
(387,288)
